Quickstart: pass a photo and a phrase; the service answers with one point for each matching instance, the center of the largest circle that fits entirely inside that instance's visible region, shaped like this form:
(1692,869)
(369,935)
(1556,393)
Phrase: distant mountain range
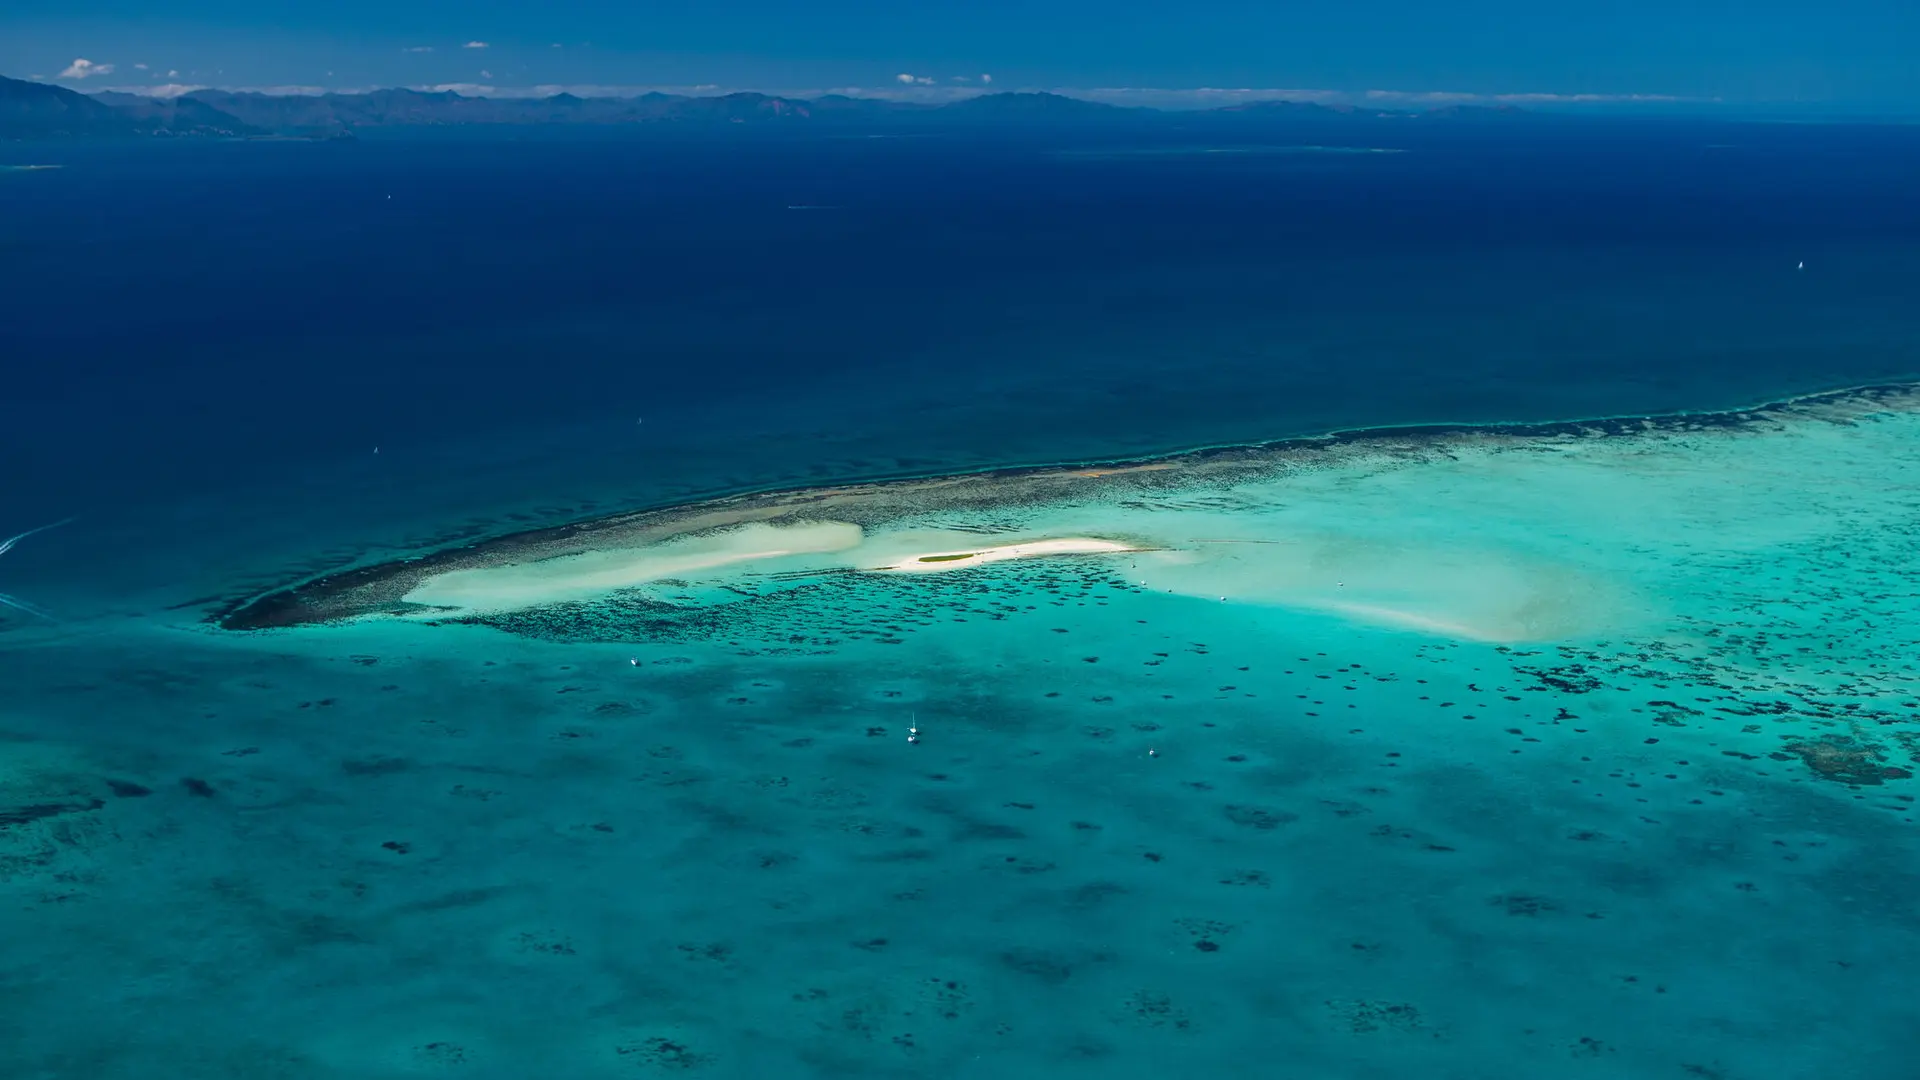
(36,110)
(41,110)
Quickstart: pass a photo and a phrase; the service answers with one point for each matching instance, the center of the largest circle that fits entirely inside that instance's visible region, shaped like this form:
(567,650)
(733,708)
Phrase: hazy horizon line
(1156,97)
(919,90)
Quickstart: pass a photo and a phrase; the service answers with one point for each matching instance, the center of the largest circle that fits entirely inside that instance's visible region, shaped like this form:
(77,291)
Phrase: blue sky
(1852,53)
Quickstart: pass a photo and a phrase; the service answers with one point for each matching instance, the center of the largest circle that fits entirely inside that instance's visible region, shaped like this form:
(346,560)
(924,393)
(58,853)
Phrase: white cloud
(139,67)
(474,45)
(418,48)
(1205,96)
(986,78)
(1448,97)
(85,69)
(963,78)
(585,90)
(913,80)
(486,74)
(1208,97)
(917,93)
(172,74)
(167,90)
(295,91)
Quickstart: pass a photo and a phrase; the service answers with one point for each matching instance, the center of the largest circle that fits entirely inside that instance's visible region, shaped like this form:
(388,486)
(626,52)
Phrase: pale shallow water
(1558,755)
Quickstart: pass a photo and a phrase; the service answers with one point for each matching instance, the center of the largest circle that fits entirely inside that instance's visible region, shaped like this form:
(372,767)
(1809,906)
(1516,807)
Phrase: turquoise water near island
(1483,750)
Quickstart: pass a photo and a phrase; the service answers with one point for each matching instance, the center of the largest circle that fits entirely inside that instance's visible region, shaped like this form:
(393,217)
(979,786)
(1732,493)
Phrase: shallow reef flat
(1522,533)
(1577,750)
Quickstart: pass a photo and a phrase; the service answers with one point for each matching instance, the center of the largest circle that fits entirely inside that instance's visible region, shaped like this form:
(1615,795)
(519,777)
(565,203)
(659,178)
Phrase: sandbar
(954,560)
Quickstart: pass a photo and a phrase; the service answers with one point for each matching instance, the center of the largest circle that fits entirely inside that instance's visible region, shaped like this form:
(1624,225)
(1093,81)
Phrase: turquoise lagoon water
(1576,751)
(1565,751)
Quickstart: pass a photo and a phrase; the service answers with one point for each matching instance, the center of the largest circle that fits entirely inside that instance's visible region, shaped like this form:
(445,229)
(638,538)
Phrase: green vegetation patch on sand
(947,558)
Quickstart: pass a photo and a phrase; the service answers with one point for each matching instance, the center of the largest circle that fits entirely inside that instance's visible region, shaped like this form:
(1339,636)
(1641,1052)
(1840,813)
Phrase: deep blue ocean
(540,319)
(1459,755)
